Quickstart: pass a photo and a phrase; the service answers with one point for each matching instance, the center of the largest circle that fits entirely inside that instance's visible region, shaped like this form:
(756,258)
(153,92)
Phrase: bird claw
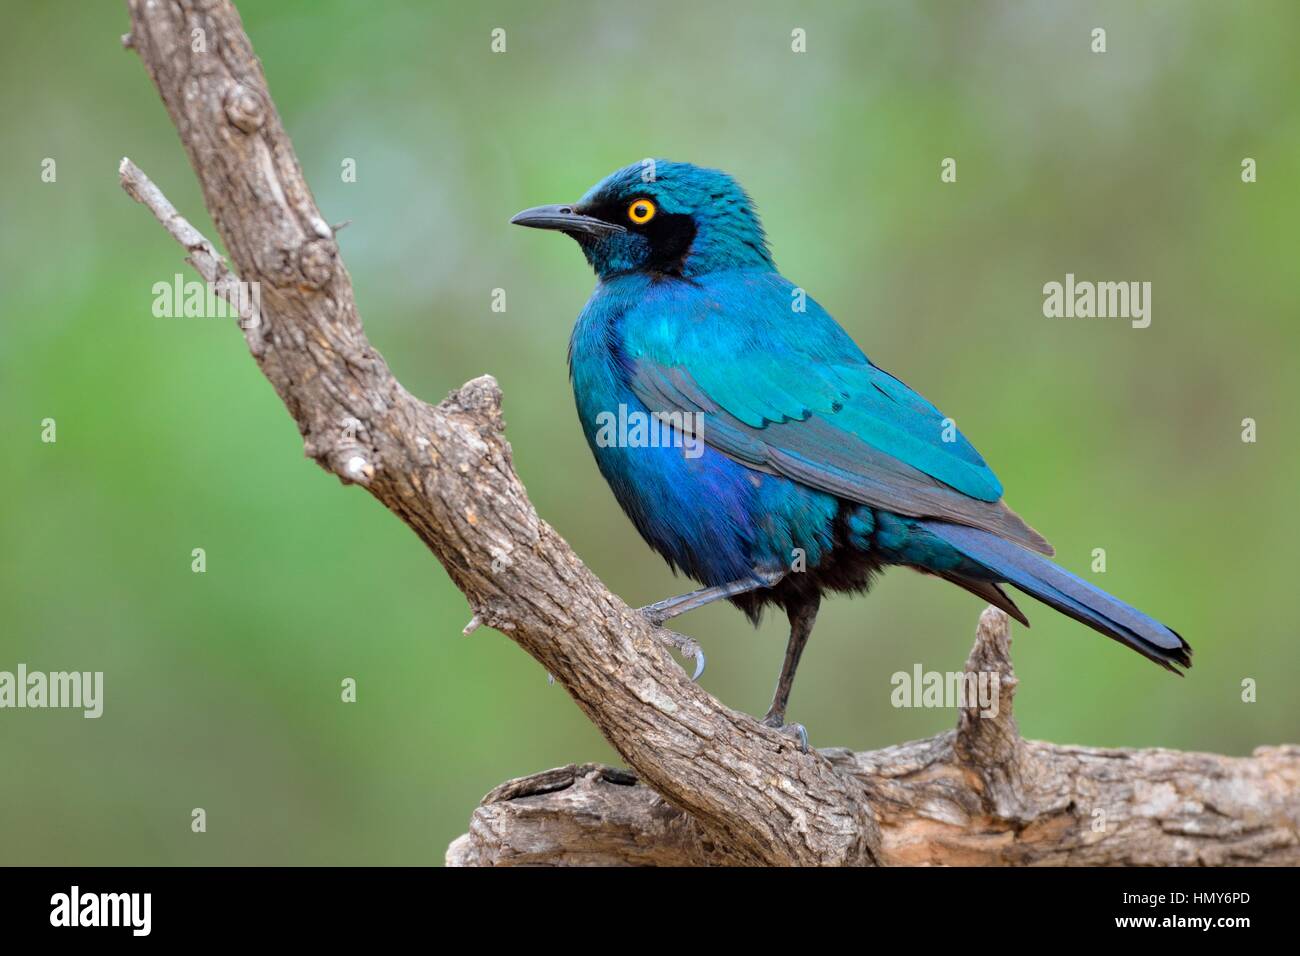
(798,731)
(686,646)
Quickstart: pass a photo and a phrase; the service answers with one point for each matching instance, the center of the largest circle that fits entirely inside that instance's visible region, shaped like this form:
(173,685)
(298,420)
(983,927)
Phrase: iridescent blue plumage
(813,468)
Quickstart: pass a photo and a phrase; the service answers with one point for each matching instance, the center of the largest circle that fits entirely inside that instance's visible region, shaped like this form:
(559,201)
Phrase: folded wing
(789,393)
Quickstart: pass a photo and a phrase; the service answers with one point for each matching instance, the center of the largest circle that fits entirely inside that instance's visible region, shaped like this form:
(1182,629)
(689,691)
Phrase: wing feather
(792,395)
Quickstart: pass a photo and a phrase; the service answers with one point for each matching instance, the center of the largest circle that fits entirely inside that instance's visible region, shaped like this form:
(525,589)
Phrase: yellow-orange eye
(641,211)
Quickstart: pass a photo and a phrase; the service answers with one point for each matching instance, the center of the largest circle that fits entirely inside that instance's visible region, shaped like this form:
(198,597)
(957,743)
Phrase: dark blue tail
(1069,594)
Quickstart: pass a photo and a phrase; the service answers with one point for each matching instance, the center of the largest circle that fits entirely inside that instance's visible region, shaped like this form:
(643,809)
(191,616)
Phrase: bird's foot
(797,731)
(685,646)
(656,613)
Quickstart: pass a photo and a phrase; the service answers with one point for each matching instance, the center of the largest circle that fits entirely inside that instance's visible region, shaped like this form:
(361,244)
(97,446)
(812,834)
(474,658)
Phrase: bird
(754,445)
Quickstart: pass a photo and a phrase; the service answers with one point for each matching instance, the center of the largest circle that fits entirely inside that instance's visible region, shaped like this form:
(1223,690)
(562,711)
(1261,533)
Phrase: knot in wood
(245,108)
(275,263)
(316,262)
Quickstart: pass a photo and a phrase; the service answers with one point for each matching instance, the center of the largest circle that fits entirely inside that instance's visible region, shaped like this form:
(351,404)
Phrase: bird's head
(660,218)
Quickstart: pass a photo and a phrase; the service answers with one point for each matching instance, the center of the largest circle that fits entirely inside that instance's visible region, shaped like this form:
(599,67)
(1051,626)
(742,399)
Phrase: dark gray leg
(802,619)
(661,611)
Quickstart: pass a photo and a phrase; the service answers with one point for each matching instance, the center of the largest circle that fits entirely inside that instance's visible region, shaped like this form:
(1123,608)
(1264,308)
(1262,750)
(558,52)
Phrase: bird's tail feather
(1068,593)
(988,591)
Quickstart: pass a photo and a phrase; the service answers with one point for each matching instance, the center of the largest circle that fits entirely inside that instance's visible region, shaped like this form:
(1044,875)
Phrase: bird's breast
(704,512)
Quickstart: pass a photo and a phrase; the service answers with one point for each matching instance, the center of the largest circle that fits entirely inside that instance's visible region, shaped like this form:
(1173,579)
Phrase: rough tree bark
(979,795)
(711,785)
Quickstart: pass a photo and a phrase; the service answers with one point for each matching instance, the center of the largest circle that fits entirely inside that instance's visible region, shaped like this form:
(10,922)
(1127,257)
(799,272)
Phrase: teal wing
(789,393)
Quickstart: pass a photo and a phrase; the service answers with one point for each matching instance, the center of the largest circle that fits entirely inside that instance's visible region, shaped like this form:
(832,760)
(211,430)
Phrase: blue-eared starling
(755,446)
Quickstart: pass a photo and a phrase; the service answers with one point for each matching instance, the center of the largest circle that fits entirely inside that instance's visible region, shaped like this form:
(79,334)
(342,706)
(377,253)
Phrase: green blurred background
(223,688)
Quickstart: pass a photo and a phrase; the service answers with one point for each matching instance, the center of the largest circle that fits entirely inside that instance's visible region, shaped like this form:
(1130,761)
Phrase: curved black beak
(564,219)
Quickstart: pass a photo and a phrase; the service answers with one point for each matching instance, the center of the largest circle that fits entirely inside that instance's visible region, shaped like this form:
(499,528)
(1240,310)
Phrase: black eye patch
(669,234)
(670,237)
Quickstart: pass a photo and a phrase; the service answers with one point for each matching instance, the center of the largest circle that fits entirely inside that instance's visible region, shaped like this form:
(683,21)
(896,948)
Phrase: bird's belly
(709,515)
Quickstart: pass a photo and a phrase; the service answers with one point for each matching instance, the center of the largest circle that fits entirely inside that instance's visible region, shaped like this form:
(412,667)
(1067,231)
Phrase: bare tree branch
(979,795)
(715,785)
